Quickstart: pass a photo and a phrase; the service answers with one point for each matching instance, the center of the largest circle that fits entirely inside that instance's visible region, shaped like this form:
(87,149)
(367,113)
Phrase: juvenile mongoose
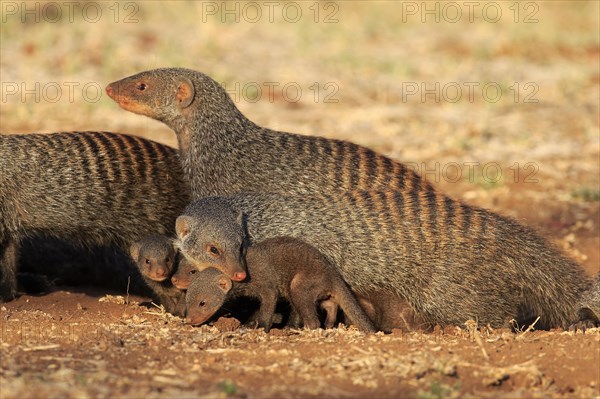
(281,267)
(588,311)
(90,188)
(385,309)
(449,261)
(156,257)
(184,274)
(223,152)
(389,312)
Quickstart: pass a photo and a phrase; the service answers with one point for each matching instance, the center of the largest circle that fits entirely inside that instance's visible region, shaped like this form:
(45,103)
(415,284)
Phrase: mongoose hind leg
(304,300)
(9,254)
(331,311)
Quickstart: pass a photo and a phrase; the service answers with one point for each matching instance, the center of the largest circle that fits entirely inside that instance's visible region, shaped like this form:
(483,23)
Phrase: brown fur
(156,260)
(278,268)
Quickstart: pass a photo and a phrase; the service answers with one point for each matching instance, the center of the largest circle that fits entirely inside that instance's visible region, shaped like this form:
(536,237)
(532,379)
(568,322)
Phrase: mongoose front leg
(174,303)
(180,308)
(268,301)
(9,253)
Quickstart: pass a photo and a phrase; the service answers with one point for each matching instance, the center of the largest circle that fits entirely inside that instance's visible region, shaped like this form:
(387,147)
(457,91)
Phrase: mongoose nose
(161,272)
(239,276)
(109,91)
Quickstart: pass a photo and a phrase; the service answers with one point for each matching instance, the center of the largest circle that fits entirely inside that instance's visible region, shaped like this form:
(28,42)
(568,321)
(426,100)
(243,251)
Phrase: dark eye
(141,86)
(148,261)
(202,303)
(214,250)
(193,271)
(167,260)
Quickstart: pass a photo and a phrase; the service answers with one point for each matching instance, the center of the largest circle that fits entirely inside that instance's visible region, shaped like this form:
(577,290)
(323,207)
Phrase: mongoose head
(154,256)
(211,234)
(589,306)
(206,294)
(171,94)
(184,274)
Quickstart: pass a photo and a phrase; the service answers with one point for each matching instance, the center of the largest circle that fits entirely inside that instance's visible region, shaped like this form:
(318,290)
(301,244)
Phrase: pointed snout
(239,276)
(110,91)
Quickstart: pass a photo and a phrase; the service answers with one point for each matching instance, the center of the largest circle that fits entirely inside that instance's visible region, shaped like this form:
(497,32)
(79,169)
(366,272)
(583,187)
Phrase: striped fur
(91,188)
(223,152)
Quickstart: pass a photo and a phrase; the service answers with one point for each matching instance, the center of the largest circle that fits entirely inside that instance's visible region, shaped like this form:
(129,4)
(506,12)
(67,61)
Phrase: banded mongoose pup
(588,311)
(184,273)
(89,188)
(223,152)
(389,312)
(156,259)
(385,309)
(278,268)
(449,261)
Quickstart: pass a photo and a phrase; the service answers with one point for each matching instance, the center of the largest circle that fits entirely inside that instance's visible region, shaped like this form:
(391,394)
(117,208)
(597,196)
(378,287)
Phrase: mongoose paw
(264,324)
(7,295)
(583,325)
(587,319)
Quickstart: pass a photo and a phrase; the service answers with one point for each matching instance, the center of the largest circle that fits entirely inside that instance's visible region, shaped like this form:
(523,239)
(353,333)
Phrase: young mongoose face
(213,238)
(158,93)
(154,257)
(184,274)
(206,294)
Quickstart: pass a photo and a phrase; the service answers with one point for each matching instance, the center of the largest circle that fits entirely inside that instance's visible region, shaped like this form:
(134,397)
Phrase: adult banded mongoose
(223,152)
(89,188)
(225,249)
(449,261)
(278,268)
(156,259)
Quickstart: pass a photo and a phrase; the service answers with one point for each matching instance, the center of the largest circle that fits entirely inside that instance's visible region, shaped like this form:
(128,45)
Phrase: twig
(128,282)
(520,336)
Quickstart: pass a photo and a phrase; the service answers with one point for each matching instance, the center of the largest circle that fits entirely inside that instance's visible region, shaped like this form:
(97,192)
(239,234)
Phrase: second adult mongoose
(281,267)
(156,259)
(90,188)
(223,152)
(449,261)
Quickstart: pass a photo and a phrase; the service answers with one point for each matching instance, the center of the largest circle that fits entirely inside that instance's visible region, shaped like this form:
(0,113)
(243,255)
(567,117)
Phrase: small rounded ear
(185,92)
(182,226)
(134,250)
(224,283)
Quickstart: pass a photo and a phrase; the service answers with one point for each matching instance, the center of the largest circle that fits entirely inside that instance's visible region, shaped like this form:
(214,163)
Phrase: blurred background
(497,103)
